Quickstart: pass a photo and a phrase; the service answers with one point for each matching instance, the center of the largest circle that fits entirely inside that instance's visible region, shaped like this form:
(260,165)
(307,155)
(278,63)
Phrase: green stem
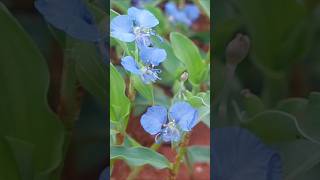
(195,89)
(182,150)
(135,172)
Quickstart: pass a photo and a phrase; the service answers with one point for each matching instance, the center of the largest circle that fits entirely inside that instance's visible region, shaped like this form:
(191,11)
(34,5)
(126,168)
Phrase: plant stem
(135,172)
(182,150)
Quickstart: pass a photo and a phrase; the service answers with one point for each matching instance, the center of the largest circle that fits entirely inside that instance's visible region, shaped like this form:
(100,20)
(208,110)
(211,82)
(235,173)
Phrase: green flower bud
(237,49)
(184,76)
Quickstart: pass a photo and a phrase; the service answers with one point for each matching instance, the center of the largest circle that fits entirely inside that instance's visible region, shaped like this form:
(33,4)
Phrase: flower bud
(184,76)
(237,49)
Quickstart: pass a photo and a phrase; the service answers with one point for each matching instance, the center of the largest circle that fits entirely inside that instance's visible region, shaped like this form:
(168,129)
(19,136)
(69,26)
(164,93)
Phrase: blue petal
(130,65)
(181,17)
(184,115)
(105,174)
(170,8)
(153,119)
(71,16)
(192,11)
(121,28)
(143,18)
(143,41)
(152,56)
(238,154)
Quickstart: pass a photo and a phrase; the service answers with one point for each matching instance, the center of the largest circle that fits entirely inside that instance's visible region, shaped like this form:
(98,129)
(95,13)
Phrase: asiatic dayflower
(187,15)
(137,26)
(150,57)
(168,127)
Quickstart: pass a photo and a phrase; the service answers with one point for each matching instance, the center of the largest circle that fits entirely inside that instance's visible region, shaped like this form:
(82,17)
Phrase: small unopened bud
(184,76)
(238,49)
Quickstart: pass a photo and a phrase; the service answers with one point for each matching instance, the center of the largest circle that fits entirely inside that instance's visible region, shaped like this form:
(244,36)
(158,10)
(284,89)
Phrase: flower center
(140,31)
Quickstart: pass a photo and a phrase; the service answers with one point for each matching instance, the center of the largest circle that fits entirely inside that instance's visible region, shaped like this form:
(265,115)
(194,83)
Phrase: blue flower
(239,155)
(167,127)
(136,26)
(70,16)
(187,15)
(150,57)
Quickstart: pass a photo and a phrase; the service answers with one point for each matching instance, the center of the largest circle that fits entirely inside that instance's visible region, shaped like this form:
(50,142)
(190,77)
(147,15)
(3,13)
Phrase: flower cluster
(168,127)
(138,26)
(186,15)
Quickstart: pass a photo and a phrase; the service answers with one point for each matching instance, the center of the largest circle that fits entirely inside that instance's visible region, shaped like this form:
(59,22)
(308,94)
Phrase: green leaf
(205,4)
(310,123)
(280,36)
(294,106)
(23,153)
(198,154)
(252,104)
(8,167)
(298,157)
(138,156)
(311,174)
(274,126)
(119,102)
(172,64)
(204,111)
(202,103)
(90,70)
(188,53)
(24,112)
(146,90)
(130,142)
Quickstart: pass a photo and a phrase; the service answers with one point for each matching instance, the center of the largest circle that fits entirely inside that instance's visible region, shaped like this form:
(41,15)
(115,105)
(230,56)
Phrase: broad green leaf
(138,156)
(90,70)
(310,123)
(24,112)
(274,126)
(202,103)
(9,169)
(23,153)
(172,63)
(119,102)
(279,31)
(199,154)
(204,111)
(188,53)
(298,157)
(146,90)
(130,142)
(311,174)
(205,4)
(294,106)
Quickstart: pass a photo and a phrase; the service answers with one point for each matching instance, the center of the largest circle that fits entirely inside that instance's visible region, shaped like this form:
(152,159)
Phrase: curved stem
(182,150)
